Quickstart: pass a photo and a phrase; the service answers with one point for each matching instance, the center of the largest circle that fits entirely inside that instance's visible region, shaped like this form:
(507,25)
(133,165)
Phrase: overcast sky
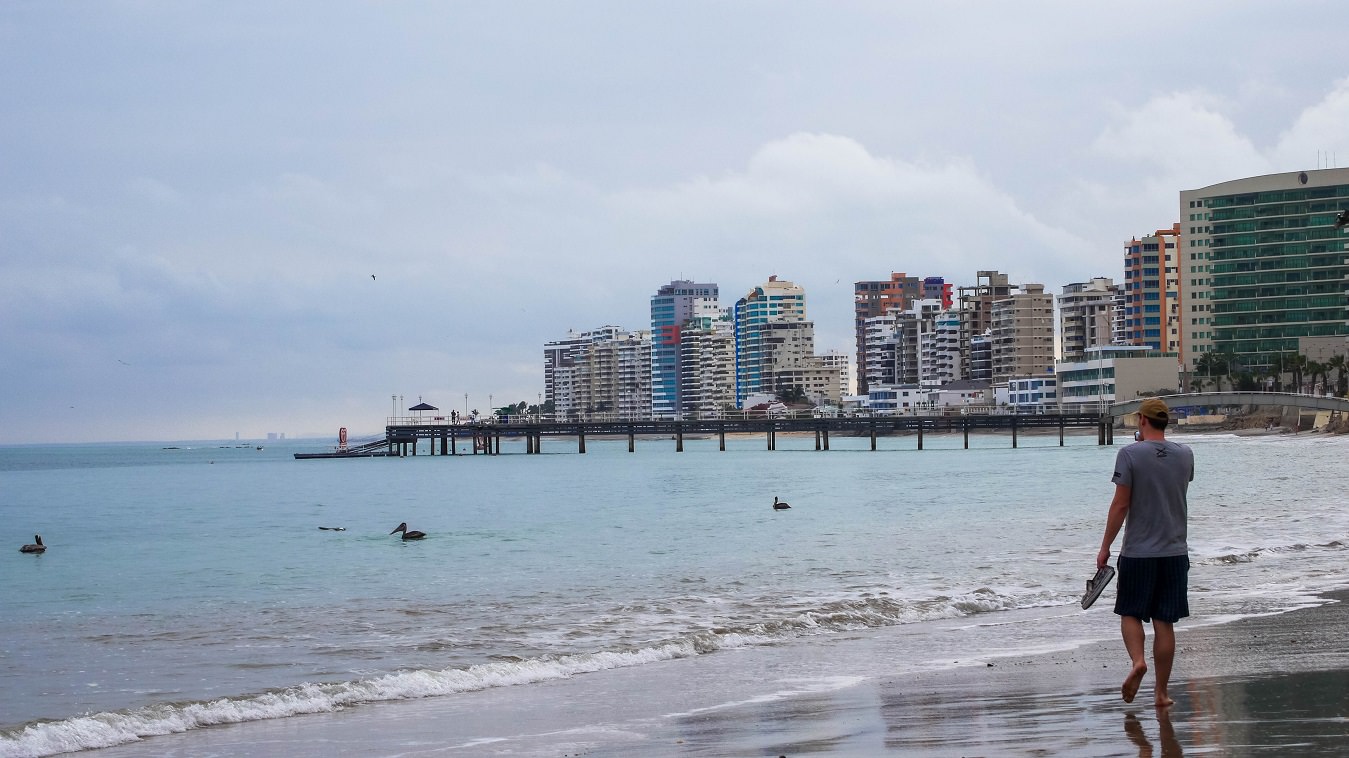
(194,196)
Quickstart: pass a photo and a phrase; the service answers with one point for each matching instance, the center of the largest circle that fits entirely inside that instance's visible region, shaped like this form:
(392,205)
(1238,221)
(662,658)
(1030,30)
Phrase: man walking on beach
(1151,479)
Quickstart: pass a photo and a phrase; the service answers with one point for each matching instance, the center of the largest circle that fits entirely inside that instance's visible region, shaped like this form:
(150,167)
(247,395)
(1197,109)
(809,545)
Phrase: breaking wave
(1248,556)
(107,729)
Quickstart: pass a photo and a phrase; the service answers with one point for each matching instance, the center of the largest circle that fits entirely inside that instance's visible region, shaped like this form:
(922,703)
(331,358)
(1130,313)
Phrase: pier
(406,437)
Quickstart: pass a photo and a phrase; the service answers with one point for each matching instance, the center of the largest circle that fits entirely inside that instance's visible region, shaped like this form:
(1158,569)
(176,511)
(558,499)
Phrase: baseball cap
(1155,409)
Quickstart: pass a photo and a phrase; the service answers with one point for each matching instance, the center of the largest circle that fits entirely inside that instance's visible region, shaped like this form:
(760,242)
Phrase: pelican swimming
(413,535)
(778,505)
(38,548)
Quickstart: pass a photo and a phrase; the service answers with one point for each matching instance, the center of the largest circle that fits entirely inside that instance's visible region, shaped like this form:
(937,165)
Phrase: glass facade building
(675,307)
(1271,266)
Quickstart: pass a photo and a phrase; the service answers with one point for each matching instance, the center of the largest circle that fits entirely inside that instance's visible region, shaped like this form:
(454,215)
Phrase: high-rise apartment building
(877,298)
(878,351)
(1152,292)
(1265,265)
(707,367)
(944,350)
(914,330)
(775,346)
(1022,333)
(604,373)
(835,361)
(979,365)
(976,318)
(673,308)
(1089,314)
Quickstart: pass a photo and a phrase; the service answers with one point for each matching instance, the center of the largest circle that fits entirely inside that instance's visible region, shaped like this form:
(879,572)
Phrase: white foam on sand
(109,729)
(802,687)
(116,728)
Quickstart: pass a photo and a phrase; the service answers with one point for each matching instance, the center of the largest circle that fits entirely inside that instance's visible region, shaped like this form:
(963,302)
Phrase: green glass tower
(1265,266)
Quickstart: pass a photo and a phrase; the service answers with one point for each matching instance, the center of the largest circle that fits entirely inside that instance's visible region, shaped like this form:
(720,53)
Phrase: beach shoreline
(1254,684)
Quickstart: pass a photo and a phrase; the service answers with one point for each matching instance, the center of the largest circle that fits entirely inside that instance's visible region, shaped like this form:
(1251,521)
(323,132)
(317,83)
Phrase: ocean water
(192,586)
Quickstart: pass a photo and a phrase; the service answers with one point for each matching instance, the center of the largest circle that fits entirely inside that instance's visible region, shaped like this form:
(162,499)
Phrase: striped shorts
(1153,588)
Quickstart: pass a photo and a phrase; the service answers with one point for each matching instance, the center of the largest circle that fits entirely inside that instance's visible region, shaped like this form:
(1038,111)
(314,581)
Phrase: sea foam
(116,728)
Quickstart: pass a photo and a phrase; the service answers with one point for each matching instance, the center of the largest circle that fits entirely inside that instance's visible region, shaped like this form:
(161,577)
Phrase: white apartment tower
(914,330)
(1089,315)
(943,350)
(707,367)
(602,374)
(878,337)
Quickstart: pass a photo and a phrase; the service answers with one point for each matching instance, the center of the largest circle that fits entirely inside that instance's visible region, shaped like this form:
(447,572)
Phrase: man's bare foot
(1132,682)
(1164,700)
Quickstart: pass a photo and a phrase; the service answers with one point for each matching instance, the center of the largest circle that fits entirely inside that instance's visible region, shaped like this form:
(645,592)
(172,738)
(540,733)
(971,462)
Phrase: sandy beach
(1273,685)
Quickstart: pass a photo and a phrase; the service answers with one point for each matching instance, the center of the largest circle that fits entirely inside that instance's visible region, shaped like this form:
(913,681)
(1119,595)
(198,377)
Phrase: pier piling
(402,440)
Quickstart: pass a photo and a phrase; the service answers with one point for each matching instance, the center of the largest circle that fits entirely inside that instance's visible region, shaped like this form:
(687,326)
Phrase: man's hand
(1102,557)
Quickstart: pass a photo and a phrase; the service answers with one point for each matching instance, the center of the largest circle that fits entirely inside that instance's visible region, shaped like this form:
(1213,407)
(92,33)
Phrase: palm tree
(1197,384)
(1317,369)
(1295,364)
(1214,366)
(1340,366)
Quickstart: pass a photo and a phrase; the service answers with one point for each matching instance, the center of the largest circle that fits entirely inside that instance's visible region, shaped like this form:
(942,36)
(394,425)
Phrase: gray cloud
(193,198)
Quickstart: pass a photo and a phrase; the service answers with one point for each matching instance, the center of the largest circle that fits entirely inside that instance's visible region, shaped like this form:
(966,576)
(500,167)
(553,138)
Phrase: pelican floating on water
(413,535)
(38,548)
(778,505)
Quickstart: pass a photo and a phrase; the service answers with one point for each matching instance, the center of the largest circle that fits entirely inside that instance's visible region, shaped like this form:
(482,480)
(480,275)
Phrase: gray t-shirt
(1159,474)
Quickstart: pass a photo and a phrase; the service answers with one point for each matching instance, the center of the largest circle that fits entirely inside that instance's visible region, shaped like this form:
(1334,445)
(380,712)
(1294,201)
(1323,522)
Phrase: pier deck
(402,439)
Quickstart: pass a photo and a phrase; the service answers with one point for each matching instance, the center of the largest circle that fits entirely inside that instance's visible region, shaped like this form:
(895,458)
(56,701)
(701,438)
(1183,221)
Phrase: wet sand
(1276,685)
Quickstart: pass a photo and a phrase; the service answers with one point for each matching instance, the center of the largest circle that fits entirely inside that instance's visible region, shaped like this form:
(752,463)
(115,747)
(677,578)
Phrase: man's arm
(1119,508)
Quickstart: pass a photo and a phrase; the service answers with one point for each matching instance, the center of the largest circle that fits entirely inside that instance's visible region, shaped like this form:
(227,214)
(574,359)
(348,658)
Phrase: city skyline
(251,218)
(1017,321)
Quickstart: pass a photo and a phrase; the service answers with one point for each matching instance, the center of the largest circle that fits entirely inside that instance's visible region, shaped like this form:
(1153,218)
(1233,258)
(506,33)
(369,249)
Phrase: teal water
(192,586)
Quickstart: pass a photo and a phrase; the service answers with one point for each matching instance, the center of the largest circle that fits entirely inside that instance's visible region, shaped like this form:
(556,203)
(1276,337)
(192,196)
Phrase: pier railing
(484,437)
(737,415)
